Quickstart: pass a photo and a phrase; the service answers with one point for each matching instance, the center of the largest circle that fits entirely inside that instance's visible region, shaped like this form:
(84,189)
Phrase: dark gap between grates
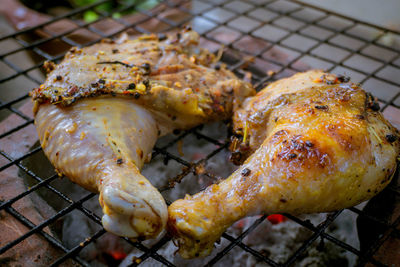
(243,19)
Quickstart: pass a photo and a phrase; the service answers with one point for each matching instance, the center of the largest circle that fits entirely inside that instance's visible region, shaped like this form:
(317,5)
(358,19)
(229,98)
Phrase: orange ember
(118,255)
(276,218)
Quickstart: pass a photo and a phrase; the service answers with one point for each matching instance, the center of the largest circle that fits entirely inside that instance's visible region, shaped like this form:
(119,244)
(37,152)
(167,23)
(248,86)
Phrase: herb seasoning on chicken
(99,122)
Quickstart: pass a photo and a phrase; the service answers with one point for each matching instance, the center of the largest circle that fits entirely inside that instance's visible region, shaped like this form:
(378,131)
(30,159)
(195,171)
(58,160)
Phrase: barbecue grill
(252,32)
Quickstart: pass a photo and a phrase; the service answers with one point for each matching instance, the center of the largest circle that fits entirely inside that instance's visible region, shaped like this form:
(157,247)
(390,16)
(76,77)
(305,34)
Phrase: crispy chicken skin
(316,143)
(101,110)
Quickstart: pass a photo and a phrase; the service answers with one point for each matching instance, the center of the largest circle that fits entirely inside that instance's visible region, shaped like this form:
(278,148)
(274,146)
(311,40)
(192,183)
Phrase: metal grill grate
(309,37)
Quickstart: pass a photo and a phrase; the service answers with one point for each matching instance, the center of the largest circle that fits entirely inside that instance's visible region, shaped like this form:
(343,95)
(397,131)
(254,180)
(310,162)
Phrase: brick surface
(35,250)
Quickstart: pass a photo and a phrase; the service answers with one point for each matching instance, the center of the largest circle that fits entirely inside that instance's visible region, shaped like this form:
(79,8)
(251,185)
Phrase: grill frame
(235,64)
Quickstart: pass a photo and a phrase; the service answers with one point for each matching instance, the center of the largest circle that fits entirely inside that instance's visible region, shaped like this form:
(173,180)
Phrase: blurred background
(381,13)
(12,19)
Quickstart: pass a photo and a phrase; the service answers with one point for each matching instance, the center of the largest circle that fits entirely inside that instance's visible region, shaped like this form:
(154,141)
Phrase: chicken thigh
(128,94)
(316,143)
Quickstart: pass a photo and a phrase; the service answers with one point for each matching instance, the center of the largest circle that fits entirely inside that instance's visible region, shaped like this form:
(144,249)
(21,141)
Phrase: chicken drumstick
(317,144)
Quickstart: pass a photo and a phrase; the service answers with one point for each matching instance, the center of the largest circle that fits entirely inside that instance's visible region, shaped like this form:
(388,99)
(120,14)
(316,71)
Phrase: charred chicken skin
(316,143)
(101,110)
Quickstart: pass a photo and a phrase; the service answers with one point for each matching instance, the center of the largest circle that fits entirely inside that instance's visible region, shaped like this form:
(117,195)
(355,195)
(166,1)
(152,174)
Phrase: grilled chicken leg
(101,110)
(316,143)
(102,144)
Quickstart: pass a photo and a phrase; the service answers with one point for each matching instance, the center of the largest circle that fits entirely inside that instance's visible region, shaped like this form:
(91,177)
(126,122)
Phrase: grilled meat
(128,94)
(316,143)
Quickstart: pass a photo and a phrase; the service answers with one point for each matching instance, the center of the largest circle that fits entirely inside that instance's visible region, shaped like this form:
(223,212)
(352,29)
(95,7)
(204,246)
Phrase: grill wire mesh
(303,32)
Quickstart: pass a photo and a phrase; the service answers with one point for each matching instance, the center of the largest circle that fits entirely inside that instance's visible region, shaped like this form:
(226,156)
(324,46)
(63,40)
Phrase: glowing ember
(118,255)
(276,218)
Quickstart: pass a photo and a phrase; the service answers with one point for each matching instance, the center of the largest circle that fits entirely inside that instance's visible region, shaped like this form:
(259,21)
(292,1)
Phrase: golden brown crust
(324,98)
(316,144)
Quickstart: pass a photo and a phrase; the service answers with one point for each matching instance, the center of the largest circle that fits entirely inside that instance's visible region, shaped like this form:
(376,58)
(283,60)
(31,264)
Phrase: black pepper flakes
(146,67)
(49,66)
(115,51)
(58,77)
(292,155)
(119,161)
(343,79)
(329,82)
(391,138)
(322,107)
(309,144)
(246,172)
(375,106)
(131,86)
(102,81)
(360,117)
(217,67)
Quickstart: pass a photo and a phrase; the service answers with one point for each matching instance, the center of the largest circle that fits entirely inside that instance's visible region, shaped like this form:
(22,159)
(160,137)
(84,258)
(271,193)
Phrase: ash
(277,242)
